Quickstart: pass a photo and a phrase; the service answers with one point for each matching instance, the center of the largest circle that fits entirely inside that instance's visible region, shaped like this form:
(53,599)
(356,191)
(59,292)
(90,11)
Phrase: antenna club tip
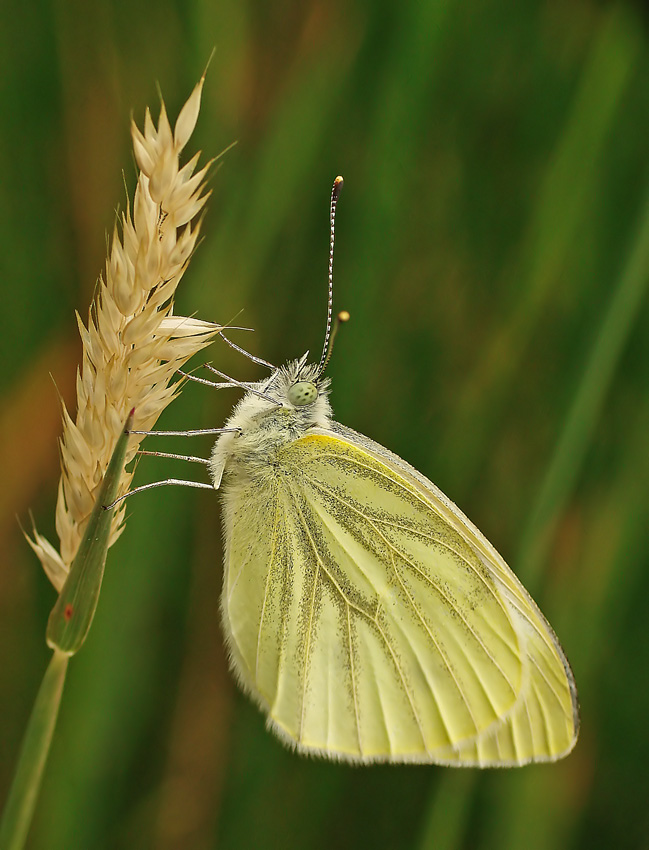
(343,316)
(338,181)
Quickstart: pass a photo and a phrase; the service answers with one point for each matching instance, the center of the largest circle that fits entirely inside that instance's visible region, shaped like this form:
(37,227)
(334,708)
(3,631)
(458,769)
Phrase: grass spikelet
(132,342)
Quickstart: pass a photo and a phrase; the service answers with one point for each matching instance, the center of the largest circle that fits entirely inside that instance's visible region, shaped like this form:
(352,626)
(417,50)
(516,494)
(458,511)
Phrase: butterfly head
(298,385)
(302,384)
(293,399)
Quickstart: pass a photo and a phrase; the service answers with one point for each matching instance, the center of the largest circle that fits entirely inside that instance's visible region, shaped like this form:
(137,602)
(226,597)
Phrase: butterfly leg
(168,481)
(191,458)
(232,382)
(247,354)
(196,432)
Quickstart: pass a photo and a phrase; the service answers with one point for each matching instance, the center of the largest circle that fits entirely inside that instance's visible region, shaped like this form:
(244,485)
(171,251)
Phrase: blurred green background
(493,251)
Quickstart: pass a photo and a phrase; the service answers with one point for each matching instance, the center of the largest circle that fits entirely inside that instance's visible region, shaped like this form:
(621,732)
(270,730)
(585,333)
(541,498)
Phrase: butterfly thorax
(265,424)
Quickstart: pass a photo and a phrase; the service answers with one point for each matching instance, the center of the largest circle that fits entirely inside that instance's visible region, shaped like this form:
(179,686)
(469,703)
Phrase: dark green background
(493,251)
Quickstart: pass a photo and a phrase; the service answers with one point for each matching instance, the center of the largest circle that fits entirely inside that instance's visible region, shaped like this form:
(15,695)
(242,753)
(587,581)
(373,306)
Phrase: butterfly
(363,611)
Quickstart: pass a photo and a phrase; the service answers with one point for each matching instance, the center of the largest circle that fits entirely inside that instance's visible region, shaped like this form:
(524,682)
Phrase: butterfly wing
(373,621)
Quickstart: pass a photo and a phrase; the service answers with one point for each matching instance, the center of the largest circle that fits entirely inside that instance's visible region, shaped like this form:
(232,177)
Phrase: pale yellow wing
(373,622)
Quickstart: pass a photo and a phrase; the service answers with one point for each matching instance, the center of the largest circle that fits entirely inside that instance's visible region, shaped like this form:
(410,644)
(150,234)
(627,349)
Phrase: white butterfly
(365,614)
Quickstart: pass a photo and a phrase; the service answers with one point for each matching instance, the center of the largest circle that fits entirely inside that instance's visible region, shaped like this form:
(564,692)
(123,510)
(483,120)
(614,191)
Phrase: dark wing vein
(268,577)
(440,592)
(373,620)
(438,541)
(441,653)
(444,545)
(353,677)
(544,634)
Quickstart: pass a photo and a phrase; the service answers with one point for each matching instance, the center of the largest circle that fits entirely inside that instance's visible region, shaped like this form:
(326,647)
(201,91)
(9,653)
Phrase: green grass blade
(72,616)
(584,413)
(445,822)
(20,805)
(564,202)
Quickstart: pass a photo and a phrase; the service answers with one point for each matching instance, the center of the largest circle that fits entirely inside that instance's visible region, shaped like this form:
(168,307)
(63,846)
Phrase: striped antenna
(326,349)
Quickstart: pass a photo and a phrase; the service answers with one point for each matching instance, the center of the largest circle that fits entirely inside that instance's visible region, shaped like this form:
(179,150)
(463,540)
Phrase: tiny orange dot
(68,612)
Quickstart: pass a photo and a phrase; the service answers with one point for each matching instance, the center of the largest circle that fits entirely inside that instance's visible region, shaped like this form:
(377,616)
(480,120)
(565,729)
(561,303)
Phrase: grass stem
(23,793)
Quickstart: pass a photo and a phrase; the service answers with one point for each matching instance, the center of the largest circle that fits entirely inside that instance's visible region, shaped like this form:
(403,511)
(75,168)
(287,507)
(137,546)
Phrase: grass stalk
(23,793)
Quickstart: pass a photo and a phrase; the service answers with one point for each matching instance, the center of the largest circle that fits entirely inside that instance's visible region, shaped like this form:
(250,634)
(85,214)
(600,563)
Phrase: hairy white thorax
(264,425)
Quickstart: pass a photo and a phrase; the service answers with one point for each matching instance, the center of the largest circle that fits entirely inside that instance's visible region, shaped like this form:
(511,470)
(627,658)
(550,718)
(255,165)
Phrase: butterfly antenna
(329,336)
(340,319)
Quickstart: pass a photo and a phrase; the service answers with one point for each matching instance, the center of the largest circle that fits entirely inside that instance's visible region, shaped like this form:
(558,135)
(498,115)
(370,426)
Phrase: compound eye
(304,392)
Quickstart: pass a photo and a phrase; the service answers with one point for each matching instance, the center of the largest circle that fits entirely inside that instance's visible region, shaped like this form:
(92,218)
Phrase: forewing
(375,622)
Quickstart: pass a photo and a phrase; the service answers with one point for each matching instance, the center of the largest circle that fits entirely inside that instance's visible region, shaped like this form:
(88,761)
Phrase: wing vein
(404,684)
(415,531)
(266,588)
(437,588)
(543,634)
(307,648)
(470,566)
(442,655)
(353,677)
(549,684)
(374,620)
